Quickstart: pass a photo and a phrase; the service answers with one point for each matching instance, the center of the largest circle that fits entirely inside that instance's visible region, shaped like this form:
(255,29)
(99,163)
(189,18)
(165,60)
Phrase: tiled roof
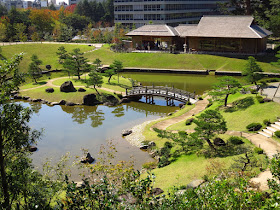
(154,30)
(209,26)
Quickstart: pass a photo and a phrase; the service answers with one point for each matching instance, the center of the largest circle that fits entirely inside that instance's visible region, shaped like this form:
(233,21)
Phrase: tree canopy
(225,87)
(252,71)
(209,123)
(76,63)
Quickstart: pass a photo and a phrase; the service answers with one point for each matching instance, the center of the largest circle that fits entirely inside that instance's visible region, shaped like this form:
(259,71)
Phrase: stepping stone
(277,123)
(271,129)
(264,134)
(275,126)
(268,131)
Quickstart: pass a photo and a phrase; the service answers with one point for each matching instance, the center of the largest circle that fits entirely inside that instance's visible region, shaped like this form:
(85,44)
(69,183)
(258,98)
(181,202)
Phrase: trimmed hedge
(254,127)
(260,99)
(277,133)
(189,121)
(266,122)
(258,150)
(235,140)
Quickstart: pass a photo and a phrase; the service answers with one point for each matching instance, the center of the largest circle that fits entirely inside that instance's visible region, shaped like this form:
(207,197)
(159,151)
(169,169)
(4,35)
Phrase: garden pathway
(199,106)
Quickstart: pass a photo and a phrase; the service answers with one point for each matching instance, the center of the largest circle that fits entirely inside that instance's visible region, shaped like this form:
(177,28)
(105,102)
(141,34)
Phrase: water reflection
(118,111)
(35,106)
(188,82)
(80,114)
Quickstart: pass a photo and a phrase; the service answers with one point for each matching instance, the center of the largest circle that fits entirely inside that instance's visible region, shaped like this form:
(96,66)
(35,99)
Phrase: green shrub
(258,150)
(254,127)
(253,91)
(189,103)
(266,122)
(200,98)
(277,133)
(183,134)
(189,121)
(168,144)
(235,140)
(260,99)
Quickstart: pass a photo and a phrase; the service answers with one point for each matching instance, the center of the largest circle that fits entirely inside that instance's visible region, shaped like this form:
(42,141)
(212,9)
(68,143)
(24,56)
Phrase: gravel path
(199,106)
(137,137)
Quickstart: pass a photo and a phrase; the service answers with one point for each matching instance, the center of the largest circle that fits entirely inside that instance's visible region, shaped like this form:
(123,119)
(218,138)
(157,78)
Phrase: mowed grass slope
(45,52)
(239,119)
(177,61)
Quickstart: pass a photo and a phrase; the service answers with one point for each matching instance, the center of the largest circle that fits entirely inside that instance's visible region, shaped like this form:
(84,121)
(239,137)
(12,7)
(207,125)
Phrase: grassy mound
(45,52)
(178,61)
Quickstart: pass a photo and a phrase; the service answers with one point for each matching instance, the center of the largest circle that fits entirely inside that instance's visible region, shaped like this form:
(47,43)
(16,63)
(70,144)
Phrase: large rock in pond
(70,103)
(62,102)
(126,132)
(87,159)
(90,100)
(111,100)
(32,149)
(67,87)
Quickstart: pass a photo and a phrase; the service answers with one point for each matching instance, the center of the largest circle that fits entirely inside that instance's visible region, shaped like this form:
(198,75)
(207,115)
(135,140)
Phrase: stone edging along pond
(89,100)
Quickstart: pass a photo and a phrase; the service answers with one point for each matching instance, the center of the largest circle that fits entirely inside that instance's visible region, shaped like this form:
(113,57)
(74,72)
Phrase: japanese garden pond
(73,128)
(188,82)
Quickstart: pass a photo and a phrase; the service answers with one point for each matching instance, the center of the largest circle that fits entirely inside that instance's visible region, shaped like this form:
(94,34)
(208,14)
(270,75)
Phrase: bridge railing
(160,90)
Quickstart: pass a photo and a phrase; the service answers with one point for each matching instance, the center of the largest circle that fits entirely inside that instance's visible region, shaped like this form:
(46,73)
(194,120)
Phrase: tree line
(48,24)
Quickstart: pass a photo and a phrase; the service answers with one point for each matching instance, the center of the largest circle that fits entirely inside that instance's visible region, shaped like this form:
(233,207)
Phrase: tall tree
(34,68)
(97,62)
(225,87)
(210,123)
(109,73)
(95,79)
(252,71)
(117,66)
(12,121)
(77,63)
(62,54)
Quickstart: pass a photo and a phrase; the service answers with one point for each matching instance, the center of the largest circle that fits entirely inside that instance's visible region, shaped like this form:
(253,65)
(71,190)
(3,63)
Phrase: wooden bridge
(170,94)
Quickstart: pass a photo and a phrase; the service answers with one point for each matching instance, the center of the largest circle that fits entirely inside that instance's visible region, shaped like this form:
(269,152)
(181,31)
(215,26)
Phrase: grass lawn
(114,85)
(76,97)
(239,119)
(178,61)
(45,52)
(190,167)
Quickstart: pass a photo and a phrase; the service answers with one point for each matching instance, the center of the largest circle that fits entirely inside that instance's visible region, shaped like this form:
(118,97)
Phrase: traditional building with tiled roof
(236,34)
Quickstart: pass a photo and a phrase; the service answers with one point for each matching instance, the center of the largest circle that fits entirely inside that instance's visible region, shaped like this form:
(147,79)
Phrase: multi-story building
(171,12)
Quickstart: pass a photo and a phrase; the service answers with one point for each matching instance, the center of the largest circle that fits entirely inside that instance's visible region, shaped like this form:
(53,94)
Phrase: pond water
(69,129)
(188,82)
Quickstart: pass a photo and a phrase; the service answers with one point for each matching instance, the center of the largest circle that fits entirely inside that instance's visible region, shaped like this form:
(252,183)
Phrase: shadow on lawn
(40,83)
(241,104)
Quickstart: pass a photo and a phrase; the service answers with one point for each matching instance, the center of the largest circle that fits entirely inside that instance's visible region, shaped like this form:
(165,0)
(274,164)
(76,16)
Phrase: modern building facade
(171,12)
(226,34)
